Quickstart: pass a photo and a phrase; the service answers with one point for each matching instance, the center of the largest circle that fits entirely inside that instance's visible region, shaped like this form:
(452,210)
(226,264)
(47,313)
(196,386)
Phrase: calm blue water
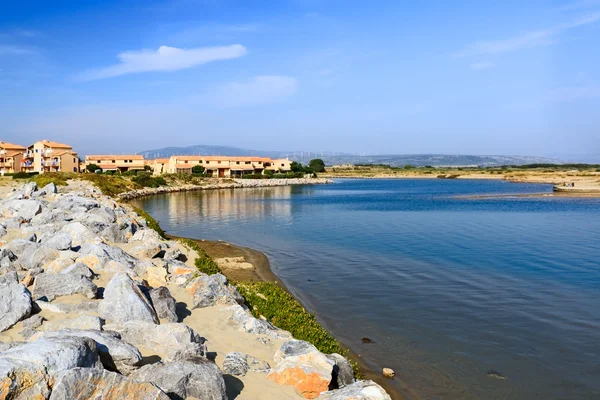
(449,289)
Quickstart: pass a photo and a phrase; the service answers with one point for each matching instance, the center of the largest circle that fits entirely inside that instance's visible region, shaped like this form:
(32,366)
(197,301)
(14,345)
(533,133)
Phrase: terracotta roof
(62,153)
(160,160)
(189,158)
(116,157)
(10,146)
(12,153)
(55,144)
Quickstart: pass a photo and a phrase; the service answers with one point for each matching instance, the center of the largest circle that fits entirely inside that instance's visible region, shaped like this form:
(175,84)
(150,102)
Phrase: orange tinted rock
(308,380)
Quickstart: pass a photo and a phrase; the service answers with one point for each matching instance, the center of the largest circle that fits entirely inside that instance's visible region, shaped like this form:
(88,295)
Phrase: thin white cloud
(577,5)
(164,59)
(526,40)
(256,91)
(481,65)
(15,50)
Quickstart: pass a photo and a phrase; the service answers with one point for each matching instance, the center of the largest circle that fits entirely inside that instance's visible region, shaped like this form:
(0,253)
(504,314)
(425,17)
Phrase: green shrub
(317,165)
(269,173)
(109,185)
(145,179)
(204,262)
(284,311)
(198,169)
(152,223)
(24,175)
(58,178)
(92,168)
(108,172)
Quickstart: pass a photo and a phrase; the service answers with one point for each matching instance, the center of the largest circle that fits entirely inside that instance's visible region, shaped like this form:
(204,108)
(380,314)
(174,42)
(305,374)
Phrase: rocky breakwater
(96,305)
(221,184)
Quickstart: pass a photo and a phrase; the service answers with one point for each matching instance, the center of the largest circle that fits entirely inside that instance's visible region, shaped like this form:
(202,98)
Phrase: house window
(74,169)
(130,161)
(219,162)
(36,150)
(113,161)
(186,162)
(74,160)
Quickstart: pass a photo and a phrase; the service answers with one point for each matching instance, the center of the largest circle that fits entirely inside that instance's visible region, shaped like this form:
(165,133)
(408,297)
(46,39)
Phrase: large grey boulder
(360,390)
(50,188)
(40,257)
(20,247)
(24,210)
(148,249)
(164,304)
(95,384)
(51,286)
(9,277)
(83,308)
(209,290)
(59,241)
(15,304)
(172,341)
(343,373)
(239,364)
(200,379)
(145,235)
(29,188)
(256,326)
(79,268)
(56,354)
(115,354)
(107,253)
(80,234)
(22,380)
(124,302)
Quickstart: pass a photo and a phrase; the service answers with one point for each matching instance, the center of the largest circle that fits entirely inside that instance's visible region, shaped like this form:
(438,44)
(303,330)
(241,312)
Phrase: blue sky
(368,77)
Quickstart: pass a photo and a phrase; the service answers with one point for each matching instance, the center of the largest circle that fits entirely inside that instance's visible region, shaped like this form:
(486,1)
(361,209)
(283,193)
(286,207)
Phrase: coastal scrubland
(582,177)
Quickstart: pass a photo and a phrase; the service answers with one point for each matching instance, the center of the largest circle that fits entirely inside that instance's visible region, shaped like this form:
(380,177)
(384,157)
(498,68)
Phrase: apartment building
(221,166)
(48,156)
(121,163)
(11,156)
(159,166)
(182,164)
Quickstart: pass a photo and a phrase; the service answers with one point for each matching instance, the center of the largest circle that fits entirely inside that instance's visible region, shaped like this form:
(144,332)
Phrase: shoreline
(262,272)
(588,191)
(230,184)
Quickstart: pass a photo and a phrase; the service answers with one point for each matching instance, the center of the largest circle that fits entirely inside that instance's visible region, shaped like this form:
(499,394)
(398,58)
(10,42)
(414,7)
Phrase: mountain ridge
(336,158)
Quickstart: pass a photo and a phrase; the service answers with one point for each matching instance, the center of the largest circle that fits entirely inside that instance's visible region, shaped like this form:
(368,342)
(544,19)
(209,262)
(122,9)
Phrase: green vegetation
(109,185)
(22,175)
(198,169)
(152,223)
(92,168)
(284,311)
(145,179)
(58,178)
(204,262)
(317,165)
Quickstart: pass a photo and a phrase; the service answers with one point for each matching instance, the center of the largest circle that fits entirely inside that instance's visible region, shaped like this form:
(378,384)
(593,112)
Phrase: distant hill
(332,158)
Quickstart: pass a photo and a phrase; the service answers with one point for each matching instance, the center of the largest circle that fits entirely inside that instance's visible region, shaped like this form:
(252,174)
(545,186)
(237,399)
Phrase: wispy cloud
(526,40)
(164,59)
(257,90)
(16,50)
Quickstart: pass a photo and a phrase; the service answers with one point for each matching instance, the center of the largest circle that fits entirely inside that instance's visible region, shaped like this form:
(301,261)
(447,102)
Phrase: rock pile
(87,312)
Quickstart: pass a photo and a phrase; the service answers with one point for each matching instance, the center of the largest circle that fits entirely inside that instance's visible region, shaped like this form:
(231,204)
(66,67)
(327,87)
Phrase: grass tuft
(204,262)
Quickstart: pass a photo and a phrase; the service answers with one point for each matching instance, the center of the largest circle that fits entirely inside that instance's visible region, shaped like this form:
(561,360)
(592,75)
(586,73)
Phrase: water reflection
(247,205)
